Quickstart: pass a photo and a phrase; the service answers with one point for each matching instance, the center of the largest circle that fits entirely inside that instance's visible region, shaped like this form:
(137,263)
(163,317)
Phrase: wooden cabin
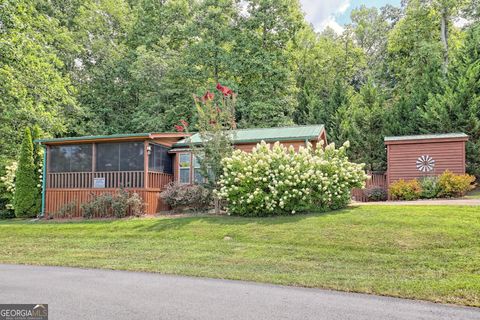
(77,168)
(187,168)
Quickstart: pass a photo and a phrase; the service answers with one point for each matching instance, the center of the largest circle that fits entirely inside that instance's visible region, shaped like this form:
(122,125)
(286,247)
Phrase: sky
(336,13)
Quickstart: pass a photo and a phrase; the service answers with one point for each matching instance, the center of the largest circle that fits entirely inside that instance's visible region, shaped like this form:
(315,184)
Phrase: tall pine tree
(458,108)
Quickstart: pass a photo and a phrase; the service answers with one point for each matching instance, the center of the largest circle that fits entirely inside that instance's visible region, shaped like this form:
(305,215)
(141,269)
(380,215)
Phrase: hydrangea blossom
(277,180)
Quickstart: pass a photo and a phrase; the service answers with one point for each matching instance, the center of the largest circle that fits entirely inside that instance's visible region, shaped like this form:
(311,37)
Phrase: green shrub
(100,206)
(116,205)
(405,190)
(26,189)
(453,185)
(66,211)
(276,180)
(6,214)
(376,193)
(193,197)
(430,187)
(120,204)
(5,211)
(136,206)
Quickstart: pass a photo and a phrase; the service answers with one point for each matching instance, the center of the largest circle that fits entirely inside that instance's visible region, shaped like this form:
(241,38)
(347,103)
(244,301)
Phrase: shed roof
(436,136)
(124,136)
(253,135)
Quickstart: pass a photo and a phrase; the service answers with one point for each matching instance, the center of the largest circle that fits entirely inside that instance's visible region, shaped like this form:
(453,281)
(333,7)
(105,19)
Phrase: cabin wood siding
(246,147)
(402,157)
(58,198)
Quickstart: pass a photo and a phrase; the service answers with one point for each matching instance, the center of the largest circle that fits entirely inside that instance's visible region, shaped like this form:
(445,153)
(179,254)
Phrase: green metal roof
(427,136)
(124,135)
(266,134)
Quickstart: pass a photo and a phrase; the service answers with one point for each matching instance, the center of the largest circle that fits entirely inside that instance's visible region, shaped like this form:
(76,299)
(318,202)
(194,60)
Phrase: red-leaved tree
(215,126)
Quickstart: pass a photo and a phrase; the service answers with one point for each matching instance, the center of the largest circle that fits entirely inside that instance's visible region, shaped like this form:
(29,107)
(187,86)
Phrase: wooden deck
(77,188)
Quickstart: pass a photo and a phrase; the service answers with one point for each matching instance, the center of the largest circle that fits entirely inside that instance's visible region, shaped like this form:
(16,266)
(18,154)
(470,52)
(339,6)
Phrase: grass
(421,252)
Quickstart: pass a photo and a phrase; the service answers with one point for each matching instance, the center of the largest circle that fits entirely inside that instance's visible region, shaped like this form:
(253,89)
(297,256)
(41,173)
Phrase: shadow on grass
(163,223)
(180,222)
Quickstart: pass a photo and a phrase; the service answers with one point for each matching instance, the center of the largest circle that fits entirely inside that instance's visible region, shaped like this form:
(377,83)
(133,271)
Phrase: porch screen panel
(71,158)
(108,157)
(123,156)
(131,156)
(159,160)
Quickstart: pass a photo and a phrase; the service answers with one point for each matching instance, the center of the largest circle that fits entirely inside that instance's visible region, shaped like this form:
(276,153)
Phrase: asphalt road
(102,294)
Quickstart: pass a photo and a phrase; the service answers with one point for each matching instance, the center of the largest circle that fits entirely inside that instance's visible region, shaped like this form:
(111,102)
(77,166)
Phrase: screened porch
(107,165)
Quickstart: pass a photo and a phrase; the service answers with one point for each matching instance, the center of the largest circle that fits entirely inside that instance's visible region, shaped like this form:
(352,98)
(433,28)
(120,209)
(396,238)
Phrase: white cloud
(330,22)
(322,13)
(343,6)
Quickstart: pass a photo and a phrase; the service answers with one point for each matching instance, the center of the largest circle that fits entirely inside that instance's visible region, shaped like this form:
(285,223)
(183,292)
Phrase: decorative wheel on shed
(425,163)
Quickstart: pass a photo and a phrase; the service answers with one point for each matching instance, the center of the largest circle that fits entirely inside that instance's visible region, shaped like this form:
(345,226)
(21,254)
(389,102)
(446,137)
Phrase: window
(124,156)
(184,168)
(197,172)
(159,160)
(71,158)
(198,176)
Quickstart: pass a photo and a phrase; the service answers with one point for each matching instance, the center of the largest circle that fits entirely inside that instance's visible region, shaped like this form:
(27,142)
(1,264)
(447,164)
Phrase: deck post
(94,163)
(145,164)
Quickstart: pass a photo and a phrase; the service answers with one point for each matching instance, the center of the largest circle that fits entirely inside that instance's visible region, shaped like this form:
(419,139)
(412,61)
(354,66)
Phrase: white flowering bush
(277,180)
(7,184)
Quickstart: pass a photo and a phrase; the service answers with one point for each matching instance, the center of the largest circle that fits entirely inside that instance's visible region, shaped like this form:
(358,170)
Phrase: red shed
(410,157)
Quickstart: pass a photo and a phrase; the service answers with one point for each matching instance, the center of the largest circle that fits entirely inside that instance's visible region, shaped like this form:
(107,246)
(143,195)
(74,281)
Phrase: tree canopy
(122,66)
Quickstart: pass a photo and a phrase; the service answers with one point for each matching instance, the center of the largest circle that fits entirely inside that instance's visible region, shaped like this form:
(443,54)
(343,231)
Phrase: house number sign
(99,182)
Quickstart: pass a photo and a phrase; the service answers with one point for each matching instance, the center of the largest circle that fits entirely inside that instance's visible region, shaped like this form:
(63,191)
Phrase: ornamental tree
(215,125)
(26,190)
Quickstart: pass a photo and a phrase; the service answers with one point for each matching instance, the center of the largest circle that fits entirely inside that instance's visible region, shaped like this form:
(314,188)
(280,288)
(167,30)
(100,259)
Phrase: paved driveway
(103,294)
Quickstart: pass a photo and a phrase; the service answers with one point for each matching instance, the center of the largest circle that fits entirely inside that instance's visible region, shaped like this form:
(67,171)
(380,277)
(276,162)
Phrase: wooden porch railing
(376,180)
(159,179)
(84,180)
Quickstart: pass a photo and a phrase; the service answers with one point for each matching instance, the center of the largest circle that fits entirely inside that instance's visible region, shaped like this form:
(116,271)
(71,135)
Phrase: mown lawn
(430,253)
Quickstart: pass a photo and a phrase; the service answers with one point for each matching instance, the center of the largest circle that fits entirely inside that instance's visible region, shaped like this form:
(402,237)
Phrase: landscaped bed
(420,252)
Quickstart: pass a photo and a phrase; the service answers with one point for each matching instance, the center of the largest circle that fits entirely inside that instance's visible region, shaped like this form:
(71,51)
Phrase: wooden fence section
(84,180)
(375,180)
(159,179)
(56,199)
